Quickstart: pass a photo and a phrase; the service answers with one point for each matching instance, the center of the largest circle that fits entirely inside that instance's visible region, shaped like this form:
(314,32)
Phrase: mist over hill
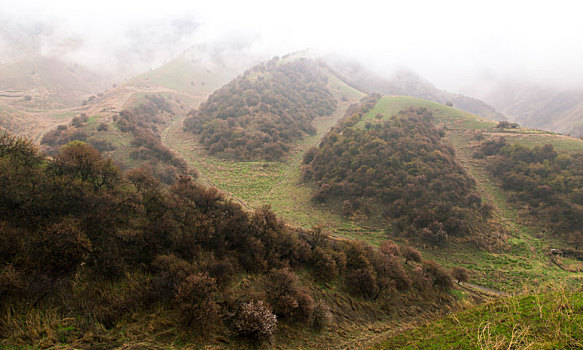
(407,82)
(548,107)
(319,175)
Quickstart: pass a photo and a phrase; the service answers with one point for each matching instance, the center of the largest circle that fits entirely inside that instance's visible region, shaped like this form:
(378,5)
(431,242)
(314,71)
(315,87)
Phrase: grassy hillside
(526,257)
(48,81)
(410,84)
(91,256)
(552,320)
(38,93)
(187,74)
(277,183)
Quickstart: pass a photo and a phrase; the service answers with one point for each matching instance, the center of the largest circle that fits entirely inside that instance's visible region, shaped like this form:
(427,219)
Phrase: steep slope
(540,107)
(408,83)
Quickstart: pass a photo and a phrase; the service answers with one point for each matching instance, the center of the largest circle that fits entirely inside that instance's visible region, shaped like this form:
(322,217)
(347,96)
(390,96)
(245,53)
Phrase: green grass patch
(452,117)
(534,321)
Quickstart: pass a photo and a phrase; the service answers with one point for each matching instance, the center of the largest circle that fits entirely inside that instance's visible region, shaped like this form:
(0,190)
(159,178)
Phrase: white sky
(451,43)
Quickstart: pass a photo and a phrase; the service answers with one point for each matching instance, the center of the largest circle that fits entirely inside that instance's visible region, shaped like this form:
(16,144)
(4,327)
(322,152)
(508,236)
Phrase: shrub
(223,271)
(390,269)
(282,289)
(411,254)
(196,300)
(362,282)
(322,316)
(171,270)
(61,248)
(305,310)
(324,264)
(347,209)
(255,321)
(103,127)
(460,274)
(287,297)
(437,275)
(390,248)
(11,282)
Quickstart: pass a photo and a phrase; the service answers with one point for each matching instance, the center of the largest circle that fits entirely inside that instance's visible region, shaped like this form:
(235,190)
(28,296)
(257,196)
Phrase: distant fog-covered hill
(537,106)
(405,82)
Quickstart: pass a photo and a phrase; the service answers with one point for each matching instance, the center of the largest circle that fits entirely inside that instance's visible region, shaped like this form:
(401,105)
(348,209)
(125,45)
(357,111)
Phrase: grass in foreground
(551,320)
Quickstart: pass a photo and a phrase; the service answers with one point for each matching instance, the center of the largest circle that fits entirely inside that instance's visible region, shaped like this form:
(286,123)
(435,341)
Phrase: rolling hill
(410,156)
(49,81)
(125,122)
(525,255)
(38,92)
(405,82)
(539,107)
(262,113)
(519,253)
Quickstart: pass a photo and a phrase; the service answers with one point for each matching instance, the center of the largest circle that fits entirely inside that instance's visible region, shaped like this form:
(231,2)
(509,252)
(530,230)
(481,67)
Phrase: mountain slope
(520,251)
(277,183)
(39,92)
(49,81)
(400,171)
(540,107)
(405,82)
(188,73)
(126,121)
(260,114)
(147,265)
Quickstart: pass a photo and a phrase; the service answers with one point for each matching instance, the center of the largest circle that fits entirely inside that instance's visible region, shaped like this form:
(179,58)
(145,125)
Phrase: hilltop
(406,82)
(542,107)
(126,121)
(400,172)
(49,81)
(260,114)
(189,73)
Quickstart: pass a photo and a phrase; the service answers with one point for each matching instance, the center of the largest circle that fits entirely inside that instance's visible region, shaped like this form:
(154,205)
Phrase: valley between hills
(360,220)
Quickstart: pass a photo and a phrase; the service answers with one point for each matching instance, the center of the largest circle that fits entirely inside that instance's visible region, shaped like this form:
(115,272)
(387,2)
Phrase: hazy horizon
(456,45)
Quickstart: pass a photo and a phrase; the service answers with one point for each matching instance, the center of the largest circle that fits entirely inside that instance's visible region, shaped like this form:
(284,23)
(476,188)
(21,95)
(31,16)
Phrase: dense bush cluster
(64,134)
(78,235)
(141,124)
(261,113)
(546,183)
(399,169)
